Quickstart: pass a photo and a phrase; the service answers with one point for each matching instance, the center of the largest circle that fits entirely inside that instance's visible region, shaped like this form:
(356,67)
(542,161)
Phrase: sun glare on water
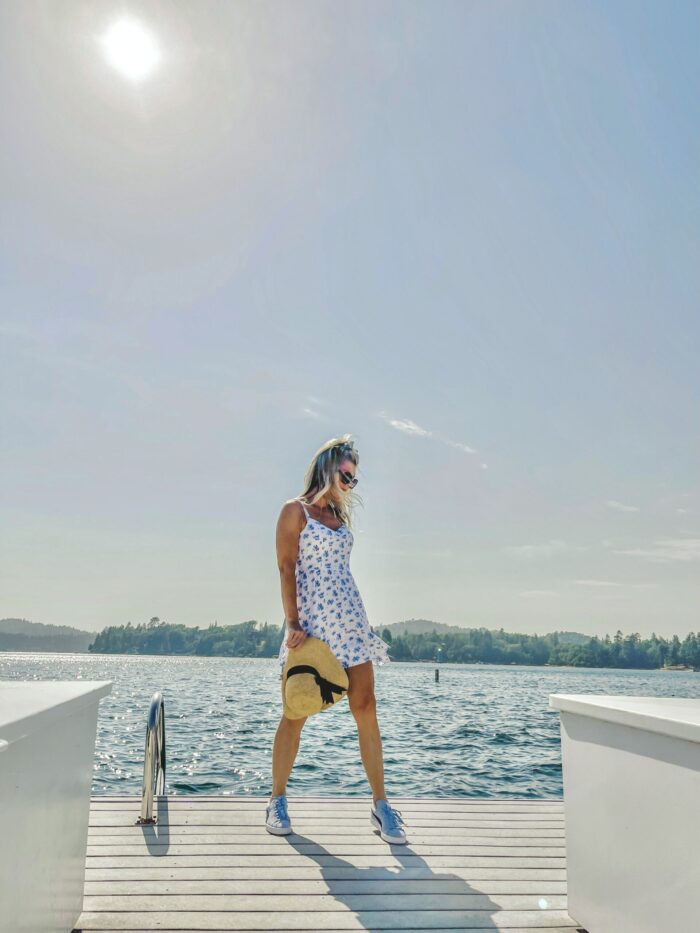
(131,49)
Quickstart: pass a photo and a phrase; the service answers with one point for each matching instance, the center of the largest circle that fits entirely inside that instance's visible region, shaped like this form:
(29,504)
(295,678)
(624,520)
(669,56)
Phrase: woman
(320,598)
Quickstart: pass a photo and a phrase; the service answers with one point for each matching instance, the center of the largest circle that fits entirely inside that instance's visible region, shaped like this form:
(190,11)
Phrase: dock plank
(324,920)
(124,818)
(415,805)
(258,834)
(337,848)
(570,928)
(359,875)
(256,819)
(326,861)
(306,887)
(102,834)
(473,900)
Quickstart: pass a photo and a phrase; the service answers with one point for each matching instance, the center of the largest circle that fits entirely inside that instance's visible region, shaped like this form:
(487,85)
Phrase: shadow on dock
(157,835)
(338,872)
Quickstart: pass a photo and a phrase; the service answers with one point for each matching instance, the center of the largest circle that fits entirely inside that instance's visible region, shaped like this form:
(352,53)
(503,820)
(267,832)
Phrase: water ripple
(483,731)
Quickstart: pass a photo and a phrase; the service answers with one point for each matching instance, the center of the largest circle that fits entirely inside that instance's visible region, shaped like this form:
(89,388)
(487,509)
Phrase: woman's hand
(296,637)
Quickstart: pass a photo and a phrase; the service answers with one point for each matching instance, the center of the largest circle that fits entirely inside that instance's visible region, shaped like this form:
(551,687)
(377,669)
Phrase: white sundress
(329,605)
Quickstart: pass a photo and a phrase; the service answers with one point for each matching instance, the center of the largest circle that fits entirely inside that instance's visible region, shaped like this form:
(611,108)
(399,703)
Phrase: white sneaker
(389,822)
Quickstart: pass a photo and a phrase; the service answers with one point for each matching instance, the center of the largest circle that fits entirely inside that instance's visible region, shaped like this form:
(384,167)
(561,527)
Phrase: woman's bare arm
(289,526)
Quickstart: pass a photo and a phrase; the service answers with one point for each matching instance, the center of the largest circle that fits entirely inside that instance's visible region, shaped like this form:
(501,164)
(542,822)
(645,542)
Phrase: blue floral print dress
(329,604)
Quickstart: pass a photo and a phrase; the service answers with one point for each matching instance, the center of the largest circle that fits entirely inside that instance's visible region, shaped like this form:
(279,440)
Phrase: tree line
(500,647)
(252,640)
(245,640)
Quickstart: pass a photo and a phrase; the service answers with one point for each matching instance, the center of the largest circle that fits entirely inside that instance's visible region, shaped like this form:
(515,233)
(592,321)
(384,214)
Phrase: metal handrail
(153,760)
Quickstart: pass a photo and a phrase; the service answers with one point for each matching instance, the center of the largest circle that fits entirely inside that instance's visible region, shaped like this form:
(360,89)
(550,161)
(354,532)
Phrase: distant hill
(572,638)
(422,626)
(23,635)
(418,627)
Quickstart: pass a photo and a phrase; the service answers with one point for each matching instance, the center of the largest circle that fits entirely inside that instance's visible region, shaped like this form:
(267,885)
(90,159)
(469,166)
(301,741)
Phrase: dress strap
(304,508)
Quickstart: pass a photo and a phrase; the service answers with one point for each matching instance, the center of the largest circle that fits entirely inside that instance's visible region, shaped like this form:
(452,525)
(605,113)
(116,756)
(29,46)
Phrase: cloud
(546,549)
(406,426)
(620,507)
(596,583)
(420,552)
(534,593)
(464,447)
(611,583)
(667,550)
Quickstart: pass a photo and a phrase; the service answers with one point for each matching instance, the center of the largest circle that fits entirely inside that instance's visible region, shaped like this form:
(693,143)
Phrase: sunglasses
(348,479)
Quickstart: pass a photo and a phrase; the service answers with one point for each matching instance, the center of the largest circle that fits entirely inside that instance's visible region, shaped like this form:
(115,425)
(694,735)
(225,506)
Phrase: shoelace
(280,806)
(395,815)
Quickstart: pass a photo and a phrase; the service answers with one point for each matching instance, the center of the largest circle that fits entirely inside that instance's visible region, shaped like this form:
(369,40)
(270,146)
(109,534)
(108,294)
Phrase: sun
(131,49)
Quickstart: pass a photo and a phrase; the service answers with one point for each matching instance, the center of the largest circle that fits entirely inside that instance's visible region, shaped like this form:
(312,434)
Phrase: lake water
(483,731)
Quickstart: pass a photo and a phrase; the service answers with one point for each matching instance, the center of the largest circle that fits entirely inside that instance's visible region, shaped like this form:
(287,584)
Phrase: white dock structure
(631,789)
(47,750)
(208,864)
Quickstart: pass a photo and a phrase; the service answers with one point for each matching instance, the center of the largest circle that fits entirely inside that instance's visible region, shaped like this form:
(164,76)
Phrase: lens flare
(131,49)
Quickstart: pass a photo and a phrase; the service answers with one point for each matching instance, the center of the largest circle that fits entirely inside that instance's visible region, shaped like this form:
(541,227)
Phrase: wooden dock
(209,864)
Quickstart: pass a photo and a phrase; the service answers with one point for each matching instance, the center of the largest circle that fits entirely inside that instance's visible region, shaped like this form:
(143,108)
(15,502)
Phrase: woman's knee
(293,725)
(362,703)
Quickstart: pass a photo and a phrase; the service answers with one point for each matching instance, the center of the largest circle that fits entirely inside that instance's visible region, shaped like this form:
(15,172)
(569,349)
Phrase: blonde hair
(321,475)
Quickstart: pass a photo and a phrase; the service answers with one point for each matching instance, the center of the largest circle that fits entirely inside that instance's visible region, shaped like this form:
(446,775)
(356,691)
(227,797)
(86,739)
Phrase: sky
(465,233)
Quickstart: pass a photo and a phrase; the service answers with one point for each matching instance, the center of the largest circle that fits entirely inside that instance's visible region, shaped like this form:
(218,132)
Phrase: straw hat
(313,678)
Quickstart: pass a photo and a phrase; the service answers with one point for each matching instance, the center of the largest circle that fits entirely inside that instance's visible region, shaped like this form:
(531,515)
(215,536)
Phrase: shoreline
(674,669)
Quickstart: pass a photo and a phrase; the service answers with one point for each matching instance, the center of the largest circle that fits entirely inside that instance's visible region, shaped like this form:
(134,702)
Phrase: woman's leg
(364,708)
(284,751)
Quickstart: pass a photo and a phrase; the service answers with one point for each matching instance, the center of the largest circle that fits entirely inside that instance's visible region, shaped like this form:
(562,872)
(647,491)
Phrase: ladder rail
(153,759)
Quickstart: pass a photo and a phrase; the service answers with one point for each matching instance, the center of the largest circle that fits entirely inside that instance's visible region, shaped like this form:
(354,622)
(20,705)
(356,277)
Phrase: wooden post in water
(438,658)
